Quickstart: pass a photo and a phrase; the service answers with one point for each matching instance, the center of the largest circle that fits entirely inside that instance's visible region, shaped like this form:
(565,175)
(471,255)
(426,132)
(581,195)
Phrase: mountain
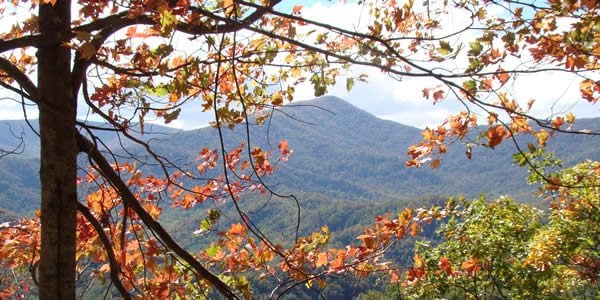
(347,167)
(340,152)
(343,152)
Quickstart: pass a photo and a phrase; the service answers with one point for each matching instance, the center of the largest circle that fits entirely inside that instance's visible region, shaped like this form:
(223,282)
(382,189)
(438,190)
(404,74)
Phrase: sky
(388,98)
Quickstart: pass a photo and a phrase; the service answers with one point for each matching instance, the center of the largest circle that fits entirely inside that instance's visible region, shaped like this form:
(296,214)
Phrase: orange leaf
(428,134)
(131,31)
(487,84)
(414,229)
(321,259)
(277,98)
(226,3)
(297,9)
(542,137)
(575,62)
(188,201)
(558,122)
(502,76)
(471,265)
(495,135)
(283,147)
(395,277)
(174,97)
(338,263)
(570,118)
(236,229)
(587,87)
(435,163)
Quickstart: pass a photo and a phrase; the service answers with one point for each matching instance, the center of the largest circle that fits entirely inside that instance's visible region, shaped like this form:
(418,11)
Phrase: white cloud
(418,118)
(11,108)
(401,101)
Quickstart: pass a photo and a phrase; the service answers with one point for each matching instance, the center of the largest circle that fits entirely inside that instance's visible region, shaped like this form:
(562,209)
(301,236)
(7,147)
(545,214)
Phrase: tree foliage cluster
(507,250)
(127,61)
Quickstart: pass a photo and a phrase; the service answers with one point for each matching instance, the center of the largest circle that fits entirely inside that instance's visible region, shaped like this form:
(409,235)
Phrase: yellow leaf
(570,118)
(277,99)
(321,259)
(542,137)
(418,261)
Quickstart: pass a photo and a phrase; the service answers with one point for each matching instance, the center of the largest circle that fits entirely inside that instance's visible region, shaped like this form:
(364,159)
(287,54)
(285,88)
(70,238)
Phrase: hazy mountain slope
(19,185)
(340,152)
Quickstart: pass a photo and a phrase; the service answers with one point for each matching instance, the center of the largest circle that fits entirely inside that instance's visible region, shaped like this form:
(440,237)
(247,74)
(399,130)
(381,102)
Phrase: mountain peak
(331,103)
(326,109)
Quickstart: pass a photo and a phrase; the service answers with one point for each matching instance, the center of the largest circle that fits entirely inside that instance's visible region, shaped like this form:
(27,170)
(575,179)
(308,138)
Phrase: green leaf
(205,225)
(470,85)
(445,48)
(159,91)
(212,250)
(474,65)
(167,21)
(349,83)
(475,48)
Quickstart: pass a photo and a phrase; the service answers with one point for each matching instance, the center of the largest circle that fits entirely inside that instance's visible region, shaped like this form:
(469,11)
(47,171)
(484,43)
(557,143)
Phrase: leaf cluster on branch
(129,62)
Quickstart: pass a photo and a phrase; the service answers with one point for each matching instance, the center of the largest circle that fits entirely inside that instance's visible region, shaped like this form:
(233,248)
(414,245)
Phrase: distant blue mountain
(340,152)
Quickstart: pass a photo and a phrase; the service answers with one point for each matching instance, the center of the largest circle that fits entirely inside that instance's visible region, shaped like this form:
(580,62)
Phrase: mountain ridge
(342,152)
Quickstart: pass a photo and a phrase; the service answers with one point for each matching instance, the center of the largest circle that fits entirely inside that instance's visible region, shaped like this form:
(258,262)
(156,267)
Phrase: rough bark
(57,108)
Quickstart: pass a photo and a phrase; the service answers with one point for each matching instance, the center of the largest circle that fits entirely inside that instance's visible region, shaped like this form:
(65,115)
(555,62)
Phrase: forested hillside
(340,152)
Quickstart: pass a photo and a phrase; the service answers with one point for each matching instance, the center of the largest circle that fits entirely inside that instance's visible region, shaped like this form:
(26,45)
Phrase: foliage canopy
(128,61)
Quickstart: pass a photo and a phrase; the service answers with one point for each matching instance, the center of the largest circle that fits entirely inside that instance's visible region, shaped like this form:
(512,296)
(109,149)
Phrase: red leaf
(426,93)
(438,95)
(445,266)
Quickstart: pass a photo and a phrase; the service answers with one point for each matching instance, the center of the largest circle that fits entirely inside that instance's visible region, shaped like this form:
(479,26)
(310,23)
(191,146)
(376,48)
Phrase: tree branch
(109,173)
(22,42)
(20,78)
(115,269)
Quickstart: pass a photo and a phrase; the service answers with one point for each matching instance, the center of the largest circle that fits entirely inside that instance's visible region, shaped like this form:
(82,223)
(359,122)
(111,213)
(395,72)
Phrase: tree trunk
(57,107)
